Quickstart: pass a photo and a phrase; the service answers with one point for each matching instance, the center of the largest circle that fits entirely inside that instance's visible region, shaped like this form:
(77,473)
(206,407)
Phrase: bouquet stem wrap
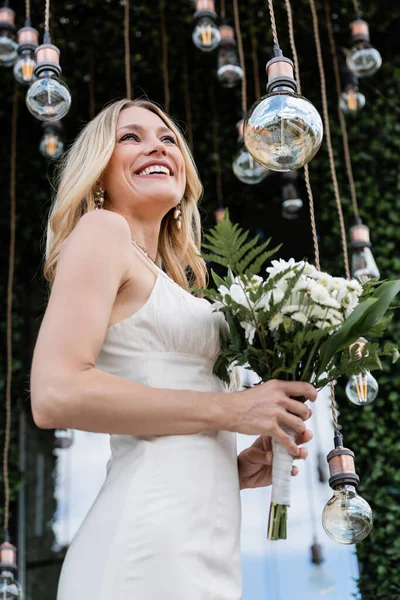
(280,497)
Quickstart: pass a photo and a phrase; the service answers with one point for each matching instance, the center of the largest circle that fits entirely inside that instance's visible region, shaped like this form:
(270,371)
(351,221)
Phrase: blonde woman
(125,349)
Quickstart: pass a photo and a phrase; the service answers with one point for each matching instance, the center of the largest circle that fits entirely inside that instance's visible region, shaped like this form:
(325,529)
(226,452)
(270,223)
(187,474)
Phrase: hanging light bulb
(362,260)
(10,589)
(63,438)
(363,60)
(206,35)
(320,580)
(291,203)
(282,130)
(351,100)
(51,145)
(229,72)
(361,388)
(48,98)
(346,518)
(8,46)
(28,39)
(246,169)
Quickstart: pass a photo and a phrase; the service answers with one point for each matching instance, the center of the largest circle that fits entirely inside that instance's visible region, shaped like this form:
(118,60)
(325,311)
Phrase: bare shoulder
(101,224)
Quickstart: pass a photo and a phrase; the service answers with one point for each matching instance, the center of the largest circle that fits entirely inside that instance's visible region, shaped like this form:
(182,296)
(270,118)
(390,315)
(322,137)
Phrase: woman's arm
(67,391)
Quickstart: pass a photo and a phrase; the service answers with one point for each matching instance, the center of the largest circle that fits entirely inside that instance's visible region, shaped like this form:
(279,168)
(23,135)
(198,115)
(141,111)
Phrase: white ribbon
(281,470)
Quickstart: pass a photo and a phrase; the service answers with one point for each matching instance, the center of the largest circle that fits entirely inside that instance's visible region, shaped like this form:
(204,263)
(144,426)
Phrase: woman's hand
(255,463)
(266,407)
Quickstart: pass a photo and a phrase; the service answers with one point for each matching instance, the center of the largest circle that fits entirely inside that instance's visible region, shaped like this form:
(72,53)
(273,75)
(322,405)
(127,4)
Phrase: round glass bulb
(206,35)
(10,589)
(351,101)
(247,170)
(363,263)
(362,389)
(320,580)
(347,518)
(51,146)
(229,75)
(283,131)
(48,98)
(363,60)
(8,50)
(24,68)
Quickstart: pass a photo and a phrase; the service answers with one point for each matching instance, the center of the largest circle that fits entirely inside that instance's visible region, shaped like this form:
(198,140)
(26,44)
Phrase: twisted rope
(342,120)
(128,81)
(273,23)
(241,55)
(11,264)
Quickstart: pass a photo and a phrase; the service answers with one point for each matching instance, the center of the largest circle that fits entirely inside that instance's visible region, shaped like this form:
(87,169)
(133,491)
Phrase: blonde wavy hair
(78,174)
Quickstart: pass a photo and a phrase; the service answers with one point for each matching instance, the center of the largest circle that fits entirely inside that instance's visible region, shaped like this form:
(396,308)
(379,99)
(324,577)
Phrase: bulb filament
(206,34)
(361,387)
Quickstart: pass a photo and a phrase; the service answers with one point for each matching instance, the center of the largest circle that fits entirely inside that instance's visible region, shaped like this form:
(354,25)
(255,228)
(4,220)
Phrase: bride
(125,349)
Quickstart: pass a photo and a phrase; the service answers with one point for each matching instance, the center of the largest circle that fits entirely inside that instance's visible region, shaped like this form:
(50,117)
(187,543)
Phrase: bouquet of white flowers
(296,324)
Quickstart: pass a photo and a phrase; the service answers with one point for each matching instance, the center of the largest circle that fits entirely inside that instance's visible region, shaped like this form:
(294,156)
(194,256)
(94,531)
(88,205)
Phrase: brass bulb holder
(359,31)
(280,75)
(47,59)
(316,554)
(8,557)
(227,36)
(7,19)
(28,39)
(205,8)
(359,235)
(55,127)
(341,465)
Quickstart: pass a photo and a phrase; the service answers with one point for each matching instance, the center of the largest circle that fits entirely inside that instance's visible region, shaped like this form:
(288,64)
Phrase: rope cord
(47,16)
(342,120)
(356,7)
(254,57)
(164,42)
(328,138)
(241,55)
(7,432)
(128,80)
(308,185)
(223,15)
(186,93)
(28,9)
(273,23)
(306,169)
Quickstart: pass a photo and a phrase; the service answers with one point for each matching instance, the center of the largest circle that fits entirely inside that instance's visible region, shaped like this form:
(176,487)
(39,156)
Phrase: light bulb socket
(227,36)
(349,79)
(205,8)
(8,557)
(316,554)
(280,74)
(359,236)
(55,127)
(341,465)
(219,213)
(28,39)
(7,18)
(359,31)
(47,59)
(358,348)
(289,177)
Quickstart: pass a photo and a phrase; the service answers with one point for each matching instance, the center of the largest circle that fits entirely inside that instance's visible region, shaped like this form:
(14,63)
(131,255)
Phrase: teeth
(155,169)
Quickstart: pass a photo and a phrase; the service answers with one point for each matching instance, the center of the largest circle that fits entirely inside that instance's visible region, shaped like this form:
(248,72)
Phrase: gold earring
(177,215)
(99,198)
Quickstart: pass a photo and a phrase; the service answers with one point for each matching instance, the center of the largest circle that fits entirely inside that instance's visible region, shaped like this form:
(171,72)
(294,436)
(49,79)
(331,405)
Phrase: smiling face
(146,169)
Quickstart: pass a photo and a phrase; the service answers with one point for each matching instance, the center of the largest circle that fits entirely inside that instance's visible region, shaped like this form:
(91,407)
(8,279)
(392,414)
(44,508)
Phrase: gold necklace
(133,239)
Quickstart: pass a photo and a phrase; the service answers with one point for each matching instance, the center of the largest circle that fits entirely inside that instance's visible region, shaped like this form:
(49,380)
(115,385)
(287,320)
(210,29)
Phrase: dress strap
(134,243)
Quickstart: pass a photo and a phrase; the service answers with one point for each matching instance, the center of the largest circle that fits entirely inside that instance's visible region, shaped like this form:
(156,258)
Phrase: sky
(279,570)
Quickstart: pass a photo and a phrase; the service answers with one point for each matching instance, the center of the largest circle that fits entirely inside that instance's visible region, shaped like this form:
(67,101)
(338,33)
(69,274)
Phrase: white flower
(249,331)
(275,321)
(354,286)
(223,290)
(239,295)
(289,309)
(254,282)
(280,265)
(300,318)
(323,279)
(320,295)
(277,295)
(263,303)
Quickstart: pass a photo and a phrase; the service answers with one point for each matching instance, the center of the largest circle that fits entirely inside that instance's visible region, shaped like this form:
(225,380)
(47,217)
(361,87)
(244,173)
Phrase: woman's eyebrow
(136,127)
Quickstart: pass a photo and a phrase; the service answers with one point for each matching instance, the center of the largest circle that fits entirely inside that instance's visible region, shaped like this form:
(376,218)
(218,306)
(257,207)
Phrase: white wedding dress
(165,524)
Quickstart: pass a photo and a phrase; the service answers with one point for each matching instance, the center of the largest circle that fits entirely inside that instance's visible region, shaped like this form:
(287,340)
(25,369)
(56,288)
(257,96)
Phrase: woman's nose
(157,147)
